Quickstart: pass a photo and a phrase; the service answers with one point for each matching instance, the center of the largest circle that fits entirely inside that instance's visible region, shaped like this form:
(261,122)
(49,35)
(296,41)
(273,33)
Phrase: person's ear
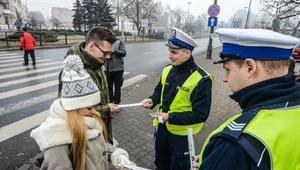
(251,66)
(188,53)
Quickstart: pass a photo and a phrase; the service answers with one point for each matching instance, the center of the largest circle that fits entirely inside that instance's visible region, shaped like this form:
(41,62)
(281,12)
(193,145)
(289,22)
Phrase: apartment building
(10,12)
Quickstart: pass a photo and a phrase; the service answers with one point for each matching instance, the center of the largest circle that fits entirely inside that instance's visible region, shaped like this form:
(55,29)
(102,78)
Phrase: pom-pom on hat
(180,39)
(78,90)
(257,44)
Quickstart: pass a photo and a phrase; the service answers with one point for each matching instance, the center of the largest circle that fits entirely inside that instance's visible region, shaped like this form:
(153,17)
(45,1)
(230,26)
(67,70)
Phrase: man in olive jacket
(93,53)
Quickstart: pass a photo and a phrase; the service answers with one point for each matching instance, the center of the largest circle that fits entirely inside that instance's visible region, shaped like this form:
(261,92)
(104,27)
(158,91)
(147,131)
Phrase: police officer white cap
(257,44)
(179,39)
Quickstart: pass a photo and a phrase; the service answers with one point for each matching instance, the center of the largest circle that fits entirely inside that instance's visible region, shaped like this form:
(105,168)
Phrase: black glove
(21,48)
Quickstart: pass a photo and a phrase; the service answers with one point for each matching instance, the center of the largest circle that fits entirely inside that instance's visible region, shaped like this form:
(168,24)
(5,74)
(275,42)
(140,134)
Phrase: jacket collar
(269,92)
(188,64)
(88,60)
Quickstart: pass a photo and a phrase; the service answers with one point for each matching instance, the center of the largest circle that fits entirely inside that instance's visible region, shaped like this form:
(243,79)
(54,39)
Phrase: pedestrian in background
(27,43)
(184,98)
(265,136)
(74,135)
(17,25)
(114,68)
(93,52)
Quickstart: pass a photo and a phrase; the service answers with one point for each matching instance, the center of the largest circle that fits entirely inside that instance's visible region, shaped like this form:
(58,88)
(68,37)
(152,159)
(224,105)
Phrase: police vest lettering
(181,102)
(278,131)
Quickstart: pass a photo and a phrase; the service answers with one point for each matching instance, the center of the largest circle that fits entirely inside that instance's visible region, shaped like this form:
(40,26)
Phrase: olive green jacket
(95,69)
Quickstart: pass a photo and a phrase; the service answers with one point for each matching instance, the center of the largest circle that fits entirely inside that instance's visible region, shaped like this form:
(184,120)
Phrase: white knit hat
(78,90)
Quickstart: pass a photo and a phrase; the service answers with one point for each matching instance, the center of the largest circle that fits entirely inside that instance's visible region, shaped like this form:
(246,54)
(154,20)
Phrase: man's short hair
(98,33)
(24,29)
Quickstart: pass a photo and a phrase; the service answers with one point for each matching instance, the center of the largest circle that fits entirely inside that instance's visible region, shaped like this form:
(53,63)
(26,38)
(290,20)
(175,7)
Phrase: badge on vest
(186,89)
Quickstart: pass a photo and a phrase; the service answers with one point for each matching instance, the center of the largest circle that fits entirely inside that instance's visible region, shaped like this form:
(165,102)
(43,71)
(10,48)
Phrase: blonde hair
(77,126)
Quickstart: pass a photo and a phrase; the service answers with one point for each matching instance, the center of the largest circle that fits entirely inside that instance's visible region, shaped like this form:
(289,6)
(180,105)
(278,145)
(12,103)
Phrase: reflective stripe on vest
(181,102)
(278,131)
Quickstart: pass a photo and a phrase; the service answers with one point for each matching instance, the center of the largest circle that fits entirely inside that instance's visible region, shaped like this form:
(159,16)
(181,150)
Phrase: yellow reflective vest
(278,130)
(181,102)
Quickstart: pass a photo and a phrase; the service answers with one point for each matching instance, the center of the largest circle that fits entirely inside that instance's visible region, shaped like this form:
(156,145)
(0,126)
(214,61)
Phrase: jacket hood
(54,131)
(88,60)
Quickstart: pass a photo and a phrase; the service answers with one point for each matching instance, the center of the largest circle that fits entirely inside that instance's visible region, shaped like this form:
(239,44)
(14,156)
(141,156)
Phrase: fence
(11,39)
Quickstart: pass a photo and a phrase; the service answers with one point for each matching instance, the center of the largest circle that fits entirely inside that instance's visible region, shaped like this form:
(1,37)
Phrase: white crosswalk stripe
(23,88)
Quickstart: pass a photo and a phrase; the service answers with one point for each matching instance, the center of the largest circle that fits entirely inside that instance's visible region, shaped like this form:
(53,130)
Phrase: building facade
(238,20)
(10,12)
(64,16)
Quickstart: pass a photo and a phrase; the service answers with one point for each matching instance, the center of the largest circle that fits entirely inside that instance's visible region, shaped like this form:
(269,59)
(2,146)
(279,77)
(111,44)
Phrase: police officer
(184,98)
(266,135)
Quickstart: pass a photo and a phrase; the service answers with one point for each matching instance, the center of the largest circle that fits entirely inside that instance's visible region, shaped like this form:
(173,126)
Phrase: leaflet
(134,167)
(130,105)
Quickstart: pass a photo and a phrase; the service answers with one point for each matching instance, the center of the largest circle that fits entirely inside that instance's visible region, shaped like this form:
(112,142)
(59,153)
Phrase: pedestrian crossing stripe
(10,63)
(21,67)
(20,63)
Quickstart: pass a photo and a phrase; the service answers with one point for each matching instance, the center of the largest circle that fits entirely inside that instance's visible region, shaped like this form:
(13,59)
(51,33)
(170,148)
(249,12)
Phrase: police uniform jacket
(200,97)
(221,153)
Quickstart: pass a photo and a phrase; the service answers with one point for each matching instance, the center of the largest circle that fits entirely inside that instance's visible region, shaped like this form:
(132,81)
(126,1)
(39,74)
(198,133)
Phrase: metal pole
(123,17)
(191,147)
(188,17)
(248,15)
(118,8)
(209,47)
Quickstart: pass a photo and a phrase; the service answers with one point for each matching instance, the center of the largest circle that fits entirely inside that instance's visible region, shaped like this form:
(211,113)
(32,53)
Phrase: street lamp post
(123,16)
(188,16)
(248,16)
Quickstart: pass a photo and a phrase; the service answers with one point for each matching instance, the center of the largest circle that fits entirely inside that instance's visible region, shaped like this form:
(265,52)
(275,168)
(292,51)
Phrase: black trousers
(171,151)
(31,55)
(115,82)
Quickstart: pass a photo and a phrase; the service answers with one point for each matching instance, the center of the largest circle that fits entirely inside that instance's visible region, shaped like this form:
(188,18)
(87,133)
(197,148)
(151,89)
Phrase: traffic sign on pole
(144,22)
(212,21)
(213,10)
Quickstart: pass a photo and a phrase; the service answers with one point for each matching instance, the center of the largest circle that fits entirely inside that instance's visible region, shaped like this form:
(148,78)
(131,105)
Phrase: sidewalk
(132,127)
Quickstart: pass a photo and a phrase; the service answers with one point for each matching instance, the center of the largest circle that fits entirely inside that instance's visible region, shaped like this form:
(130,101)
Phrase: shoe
(25,64)
(33,65)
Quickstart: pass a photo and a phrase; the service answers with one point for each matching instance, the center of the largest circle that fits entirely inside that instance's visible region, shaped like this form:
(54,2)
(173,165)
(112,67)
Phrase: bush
(46,36)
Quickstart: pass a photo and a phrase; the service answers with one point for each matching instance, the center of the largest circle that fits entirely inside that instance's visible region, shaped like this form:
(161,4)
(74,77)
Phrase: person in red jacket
(27,43)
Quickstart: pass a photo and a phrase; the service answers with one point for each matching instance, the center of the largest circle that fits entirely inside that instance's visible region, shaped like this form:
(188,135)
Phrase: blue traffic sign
(212,21)
(213,10)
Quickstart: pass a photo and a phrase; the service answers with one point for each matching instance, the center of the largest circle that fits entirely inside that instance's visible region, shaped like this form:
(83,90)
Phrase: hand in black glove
(21,48)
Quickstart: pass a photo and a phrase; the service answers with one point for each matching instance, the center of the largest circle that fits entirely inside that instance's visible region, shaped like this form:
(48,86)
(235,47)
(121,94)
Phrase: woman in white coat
(74,136)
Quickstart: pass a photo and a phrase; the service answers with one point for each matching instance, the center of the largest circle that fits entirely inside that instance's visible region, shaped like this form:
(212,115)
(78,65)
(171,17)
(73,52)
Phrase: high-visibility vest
(278,131)
(181,102)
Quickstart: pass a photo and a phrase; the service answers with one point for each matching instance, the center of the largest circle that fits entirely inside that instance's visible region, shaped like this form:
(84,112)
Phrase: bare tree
(200,23)
(36,19)
(178,15)
(283,9)
(140,9)
(55,22)
(264,19)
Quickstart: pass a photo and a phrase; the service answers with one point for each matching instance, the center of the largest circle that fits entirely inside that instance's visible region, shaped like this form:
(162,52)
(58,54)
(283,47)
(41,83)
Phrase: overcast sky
(197,7)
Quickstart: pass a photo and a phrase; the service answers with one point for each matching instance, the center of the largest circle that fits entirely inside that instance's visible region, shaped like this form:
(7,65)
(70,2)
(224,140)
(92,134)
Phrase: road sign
(213,10)
(144,22)
(212,21)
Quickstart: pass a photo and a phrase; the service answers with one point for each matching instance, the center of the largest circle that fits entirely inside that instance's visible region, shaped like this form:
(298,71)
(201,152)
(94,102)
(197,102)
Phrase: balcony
(4,1)
(6,11)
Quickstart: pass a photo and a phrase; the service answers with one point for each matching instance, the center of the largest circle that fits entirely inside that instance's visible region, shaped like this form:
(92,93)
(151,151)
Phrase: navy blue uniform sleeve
(201,103)
(221,154)
(156,95)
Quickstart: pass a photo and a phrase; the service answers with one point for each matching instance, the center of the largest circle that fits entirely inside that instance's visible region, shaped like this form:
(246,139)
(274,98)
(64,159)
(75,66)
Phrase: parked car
(296,53)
